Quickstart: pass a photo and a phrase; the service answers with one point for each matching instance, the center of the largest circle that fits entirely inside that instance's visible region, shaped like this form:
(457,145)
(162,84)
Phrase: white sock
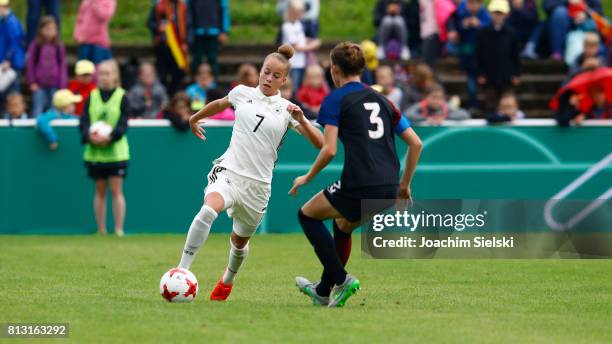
(198,232)
(236,258)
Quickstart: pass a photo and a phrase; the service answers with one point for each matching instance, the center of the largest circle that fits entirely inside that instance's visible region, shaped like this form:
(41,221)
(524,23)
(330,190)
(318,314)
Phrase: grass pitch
(106,288)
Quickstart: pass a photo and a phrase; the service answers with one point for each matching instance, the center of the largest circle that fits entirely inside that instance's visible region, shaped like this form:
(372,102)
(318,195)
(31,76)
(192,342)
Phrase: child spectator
(15,107)
(204,82)
(559,22)
(210,23)
(384,79)
(178,111)
(293,34)
(83,83)
(310,20)
(225,115)
(498,60)
(148,96)
(421,79)
(174,13)
(471,16)
(247,75)
(601,108)
(369,52)
(46,66)
(433,17)
(392,31)
(91,30)
(434,109)
(507,110)
(64,103)
(314,89)
(12,54)
(590,56)
(286,91)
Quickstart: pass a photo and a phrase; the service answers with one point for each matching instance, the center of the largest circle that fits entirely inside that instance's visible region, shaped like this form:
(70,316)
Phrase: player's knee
(239,242)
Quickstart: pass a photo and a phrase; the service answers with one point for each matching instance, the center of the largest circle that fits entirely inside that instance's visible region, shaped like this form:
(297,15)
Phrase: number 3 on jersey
(376,120)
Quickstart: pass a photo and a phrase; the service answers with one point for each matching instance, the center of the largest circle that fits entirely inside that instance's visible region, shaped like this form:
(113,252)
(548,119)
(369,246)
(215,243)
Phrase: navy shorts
(348,202)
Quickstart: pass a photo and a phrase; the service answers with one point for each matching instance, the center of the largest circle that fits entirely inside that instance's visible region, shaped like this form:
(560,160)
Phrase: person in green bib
(103,127)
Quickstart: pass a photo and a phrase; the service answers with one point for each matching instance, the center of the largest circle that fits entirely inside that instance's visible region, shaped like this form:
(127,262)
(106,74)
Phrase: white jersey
(260,128)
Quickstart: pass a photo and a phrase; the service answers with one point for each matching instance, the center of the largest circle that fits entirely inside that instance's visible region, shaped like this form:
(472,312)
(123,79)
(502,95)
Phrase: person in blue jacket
(12,51)
(63,108)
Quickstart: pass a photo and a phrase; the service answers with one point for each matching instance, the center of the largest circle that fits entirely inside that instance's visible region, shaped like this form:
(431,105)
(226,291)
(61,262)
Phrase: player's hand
(222,38)
(196,129)
(297,182)
(53,146)
(296,112)
(405,195)
(482,80)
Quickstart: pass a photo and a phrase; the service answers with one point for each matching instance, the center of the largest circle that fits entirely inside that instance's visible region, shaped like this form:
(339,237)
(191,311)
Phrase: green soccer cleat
(310,289)
(342,292)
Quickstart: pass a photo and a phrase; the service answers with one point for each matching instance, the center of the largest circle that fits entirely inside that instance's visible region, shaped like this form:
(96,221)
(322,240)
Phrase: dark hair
(179,97)
(349,58)
(44,21)
(283,54)
(434,88)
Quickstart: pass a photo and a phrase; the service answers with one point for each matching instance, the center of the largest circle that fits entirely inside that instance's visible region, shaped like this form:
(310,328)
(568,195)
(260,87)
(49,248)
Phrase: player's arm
(210,109)
(326,154)
(304,127)
(415,146)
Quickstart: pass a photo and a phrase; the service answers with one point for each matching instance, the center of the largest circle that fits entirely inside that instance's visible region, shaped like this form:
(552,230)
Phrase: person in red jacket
(313,90)
(83,83)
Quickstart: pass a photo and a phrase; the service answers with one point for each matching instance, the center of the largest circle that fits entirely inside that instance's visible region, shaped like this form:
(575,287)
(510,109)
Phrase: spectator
(12,54)
(524,21)
(567,111)
(434,109)
(211,24)
(575,40)
(204,83)
(294,35)
(590,57)
(386,83)
(174,13)
(225,115)
(313,90)
(559,23)
(498,60)
(35,8)
(421,79)
(392,32)
(247,75)
(64,103)
(470,18)
(148,96)
(15,107)
(83,83)
(507,110)
(46,70)
(369,52)
(106,156)
(178,111)
(601,108)
(287,92)
(433,17)
(310,21)
(91,30)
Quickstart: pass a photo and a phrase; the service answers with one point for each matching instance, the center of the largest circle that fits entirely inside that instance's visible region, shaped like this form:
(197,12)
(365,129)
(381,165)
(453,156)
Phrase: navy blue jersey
(366,122)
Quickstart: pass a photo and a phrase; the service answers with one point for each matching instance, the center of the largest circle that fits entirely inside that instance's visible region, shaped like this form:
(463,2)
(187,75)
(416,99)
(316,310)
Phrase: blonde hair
(294,6)
(112,63)
(591,37)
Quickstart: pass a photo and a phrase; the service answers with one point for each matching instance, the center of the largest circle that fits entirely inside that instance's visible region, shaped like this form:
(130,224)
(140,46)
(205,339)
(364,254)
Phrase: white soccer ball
(178,285)
(101,129)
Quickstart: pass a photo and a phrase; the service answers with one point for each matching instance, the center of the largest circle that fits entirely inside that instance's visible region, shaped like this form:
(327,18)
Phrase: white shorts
(246,199)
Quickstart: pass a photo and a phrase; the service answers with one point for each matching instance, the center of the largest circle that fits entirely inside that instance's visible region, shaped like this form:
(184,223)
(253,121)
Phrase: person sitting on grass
(64,103)
(434,109)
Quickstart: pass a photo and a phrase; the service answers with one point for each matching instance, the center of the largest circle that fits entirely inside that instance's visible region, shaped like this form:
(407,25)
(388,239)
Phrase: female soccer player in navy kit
(365,122)
(240,180)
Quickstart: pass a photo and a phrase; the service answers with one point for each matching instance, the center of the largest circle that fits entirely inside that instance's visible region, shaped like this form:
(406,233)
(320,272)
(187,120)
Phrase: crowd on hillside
(490,40)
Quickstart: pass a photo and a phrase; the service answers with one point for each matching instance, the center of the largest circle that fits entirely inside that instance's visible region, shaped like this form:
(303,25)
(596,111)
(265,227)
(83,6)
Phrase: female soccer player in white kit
(240,180)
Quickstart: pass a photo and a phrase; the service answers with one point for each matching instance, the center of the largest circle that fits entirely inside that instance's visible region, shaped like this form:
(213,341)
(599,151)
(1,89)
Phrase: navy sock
(344,244)
(325,249)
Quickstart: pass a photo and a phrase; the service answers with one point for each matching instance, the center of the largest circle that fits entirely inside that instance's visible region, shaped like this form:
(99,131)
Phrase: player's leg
(118,200)
(214,203)
(99,204)
(239,250)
